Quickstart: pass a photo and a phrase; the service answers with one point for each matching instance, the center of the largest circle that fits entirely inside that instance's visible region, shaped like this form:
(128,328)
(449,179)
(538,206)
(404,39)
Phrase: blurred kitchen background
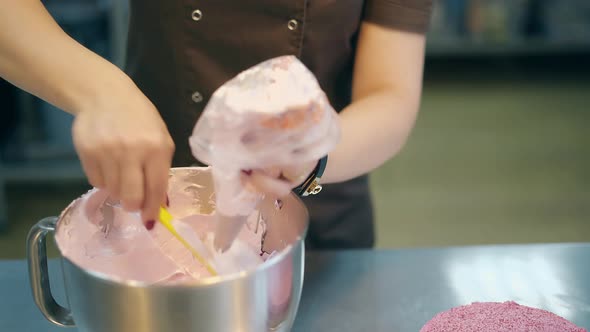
(500,153)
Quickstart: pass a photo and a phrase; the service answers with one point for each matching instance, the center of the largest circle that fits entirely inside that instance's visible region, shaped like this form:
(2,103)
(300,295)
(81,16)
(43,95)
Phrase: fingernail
(278,204)
(167,201)
(149,225)
(247,171)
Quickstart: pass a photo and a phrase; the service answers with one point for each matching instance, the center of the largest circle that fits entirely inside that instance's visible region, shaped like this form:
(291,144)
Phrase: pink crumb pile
(498,317)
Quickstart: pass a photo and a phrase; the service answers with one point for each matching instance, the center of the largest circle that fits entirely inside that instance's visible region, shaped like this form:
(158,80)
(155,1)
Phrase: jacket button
(197,15)
(292,24)
(197,97)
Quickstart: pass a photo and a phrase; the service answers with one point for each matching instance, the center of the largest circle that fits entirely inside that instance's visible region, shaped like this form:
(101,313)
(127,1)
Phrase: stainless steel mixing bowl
(265,299)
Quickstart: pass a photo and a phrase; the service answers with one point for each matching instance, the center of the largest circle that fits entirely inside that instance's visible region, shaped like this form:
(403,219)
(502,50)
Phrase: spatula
(166,220)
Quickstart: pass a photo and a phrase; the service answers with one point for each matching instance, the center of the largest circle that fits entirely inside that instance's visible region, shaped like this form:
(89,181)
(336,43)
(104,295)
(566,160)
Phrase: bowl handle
(39,276)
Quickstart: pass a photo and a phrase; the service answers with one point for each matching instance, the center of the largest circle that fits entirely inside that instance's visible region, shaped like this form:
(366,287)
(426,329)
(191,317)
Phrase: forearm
(387,87)
(374,129)
(37,56)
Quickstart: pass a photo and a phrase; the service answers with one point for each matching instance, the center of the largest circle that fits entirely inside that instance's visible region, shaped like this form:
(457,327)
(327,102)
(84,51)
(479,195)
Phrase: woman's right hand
(120,138)
(125,147)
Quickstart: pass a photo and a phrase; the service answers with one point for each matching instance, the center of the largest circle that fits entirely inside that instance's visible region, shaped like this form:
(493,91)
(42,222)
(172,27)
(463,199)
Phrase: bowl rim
(208,281)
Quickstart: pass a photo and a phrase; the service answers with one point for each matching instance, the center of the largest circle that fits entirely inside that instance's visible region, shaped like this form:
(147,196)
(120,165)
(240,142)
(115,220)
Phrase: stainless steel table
(389,290)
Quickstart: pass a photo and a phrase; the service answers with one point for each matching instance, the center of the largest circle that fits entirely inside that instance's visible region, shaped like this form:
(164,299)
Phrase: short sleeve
(407,15)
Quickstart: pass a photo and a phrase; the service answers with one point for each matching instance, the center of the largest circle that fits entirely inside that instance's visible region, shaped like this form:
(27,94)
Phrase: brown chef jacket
(180,52)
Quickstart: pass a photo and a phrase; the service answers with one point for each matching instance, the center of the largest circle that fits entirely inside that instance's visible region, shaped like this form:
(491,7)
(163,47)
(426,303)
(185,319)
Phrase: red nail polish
(278,204)
(149,225)
(247,171)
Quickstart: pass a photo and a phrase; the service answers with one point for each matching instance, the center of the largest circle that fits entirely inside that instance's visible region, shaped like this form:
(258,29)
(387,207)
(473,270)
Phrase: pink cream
(128,251)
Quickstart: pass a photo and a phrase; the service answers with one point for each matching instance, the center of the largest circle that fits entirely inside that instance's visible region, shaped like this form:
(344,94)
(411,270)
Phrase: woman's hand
(278,181)
(125,147)
(122,142)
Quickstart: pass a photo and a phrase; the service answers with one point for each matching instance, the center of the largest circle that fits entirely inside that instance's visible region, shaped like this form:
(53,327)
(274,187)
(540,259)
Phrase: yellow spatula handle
(166,220)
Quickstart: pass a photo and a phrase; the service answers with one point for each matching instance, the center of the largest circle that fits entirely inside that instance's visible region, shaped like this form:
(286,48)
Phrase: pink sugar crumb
(498,317)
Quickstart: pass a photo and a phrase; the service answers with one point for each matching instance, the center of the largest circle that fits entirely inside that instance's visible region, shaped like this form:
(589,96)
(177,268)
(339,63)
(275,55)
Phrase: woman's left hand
(278,181)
